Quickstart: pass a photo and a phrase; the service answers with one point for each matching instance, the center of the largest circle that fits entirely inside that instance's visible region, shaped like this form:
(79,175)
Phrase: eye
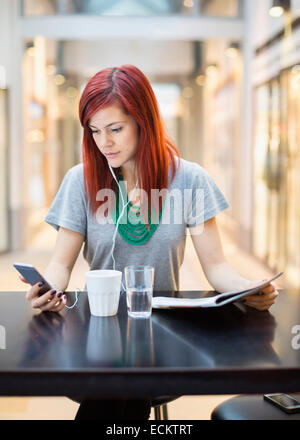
(116,130)
(95,131)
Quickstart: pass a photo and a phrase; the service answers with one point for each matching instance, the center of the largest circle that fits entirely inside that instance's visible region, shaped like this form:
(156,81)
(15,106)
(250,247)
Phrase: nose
(106,140)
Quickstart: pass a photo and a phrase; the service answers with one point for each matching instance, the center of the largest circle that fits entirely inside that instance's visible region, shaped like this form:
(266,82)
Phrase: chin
(114,163)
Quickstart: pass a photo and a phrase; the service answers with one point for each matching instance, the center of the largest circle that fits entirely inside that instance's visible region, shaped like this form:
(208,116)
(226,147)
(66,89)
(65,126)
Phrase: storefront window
(168,95)
(261,192)
(276,233)
(274,176)
(225,127)
(51,127)
(104,7)
(220,8)
(3,172)
(292,166)
(42,7)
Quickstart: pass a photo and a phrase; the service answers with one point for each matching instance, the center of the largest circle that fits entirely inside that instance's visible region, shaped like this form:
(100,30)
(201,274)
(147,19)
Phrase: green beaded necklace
(134,231)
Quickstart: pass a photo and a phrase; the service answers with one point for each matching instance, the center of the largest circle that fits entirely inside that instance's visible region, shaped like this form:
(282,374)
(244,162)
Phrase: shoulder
(75,175)
(189,171)
(73,181)
(76,171)
(191,167)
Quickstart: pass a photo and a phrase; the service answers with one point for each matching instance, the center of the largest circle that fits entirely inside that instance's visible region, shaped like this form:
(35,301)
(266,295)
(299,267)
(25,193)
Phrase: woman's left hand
(264,299)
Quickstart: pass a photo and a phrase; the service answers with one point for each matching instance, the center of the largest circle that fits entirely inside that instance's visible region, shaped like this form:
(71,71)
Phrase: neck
(129,175)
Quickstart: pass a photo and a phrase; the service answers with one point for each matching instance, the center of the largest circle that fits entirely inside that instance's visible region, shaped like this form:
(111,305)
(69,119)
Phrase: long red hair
(156,152)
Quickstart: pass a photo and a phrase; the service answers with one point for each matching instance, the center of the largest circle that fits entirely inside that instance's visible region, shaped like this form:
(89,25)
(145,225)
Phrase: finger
(34,291)
(270,285)
(260,299)
(40,301)
(262,308)
(50,304)
(263,296)
(60,306)
(261,304)
(269,288)
(23,279)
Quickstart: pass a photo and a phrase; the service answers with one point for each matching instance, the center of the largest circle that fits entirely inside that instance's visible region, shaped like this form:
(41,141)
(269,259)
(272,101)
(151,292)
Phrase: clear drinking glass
(139,289)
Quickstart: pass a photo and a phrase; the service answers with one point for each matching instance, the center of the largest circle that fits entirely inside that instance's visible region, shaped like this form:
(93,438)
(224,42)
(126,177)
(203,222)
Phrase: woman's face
(116,135)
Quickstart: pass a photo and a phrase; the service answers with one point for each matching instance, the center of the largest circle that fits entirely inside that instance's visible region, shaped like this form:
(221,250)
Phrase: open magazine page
(164,302)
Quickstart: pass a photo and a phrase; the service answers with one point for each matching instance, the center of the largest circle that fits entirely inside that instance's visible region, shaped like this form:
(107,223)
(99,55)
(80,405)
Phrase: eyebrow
(108,125)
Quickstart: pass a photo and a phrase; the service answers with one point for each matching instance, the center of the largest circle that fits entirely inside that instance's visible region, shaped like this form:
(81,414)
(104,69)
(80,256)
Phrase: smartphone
(285,402)
(31,274)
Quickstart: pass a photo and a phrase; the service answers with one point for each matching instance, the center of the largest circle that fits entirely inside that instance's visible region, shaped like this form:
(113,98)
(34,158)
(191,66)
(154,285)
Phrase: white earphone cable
(76,298)
(120,216)
(77,289)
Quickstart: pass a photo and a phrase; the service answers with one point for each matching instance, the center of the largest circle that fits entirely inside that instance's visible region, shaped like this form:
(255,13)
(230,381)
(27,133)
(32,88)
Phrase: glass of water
(139,289)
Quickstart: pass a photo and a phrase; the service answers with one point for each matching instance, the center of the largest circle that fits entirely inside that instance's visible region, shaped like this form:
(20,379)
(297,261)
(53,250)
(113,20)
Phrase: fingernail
(53,292)
(59,294)
(40,284)
(65,296)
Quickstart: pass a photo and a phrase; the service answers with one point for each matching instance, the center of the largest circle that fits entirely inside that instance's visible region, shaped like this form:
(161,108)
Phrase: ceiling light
(233,50)
(71,92)
(212,70)
(51,69)
(187,92)
(200,80)
(188,3)
(279,7)
(31,51)
(59,79)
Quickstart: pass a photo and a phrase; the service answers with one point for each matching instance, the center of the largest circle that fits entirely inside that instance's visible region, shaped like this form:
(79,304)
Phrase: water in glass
(139,301)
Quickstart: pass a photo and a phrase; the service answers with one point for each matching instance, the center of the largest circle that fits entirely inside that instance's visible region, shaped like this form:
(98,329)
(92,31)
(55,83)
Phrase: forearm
(225,278)
(57,275)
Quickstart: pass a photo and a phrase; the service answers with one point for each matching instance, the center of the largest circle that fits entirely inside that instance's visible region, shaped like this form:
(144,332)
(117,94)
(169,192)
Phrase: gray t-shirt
(193,197)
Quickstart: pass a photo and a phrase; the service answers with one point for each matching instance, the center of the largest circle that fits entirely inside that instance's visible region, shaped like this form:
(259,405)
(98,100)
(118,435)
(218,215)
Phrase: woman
(124,139)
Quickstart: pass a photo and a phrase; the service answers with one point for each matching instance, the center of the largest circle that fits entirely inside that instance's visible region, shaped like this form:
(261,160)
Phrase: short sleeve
(68,209)
(206,199)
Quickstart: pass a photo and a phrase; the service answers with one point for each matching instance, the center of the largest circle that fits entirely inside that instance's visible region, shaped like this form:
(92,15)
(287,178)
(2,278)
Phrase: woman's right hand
(51,301)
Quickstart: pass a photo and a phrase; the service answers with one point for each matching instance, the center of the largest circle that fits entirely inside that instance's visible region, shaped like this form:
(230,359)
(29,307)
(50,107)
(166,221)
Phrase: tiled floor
(192,278)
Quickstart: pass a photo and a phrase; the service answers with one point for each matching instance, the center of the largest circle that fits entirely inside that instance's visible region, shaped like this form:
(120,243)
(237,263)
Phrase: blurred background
(226,74)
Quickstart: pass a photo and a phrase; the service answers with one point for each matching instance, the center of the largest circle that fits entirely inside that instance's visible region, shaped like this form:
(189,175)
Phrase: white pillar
(11,59)
(247,136)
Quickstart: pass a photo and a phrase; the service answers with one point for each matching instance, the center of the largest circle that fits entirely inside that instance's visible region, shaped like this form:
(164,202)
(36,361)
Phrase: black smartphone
(32,275)
(285,402)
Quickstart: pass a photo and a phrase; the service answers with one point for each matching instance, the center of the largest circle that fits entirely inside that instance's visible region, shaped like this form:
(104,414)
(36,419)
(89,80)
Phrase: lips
(110,155)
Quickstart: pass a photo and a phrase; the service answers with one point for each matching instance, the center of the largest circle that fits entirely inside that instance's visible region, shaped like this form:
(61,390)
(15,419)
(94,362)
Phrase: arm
(218,272)
(58,272)
(66,251)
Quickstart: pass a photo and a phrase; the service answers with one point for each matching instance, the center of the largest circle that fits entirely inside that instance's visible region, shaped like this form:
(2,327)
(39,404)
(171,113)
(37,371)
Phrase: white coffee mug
(103,287)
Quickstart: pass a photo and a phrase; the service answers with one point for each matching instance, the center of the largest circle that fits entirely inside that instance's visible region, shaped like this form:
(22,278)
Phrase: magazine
(165,302)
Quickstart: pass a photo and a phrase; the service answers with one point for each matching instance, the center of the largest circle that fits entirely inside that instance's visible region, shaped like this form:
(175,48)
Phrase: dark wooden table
(176,352)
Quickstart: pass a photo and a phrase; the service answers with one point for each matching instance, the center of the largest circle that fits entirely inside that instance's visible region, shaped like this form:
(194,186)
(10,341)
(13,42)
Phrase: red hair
(156,152)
